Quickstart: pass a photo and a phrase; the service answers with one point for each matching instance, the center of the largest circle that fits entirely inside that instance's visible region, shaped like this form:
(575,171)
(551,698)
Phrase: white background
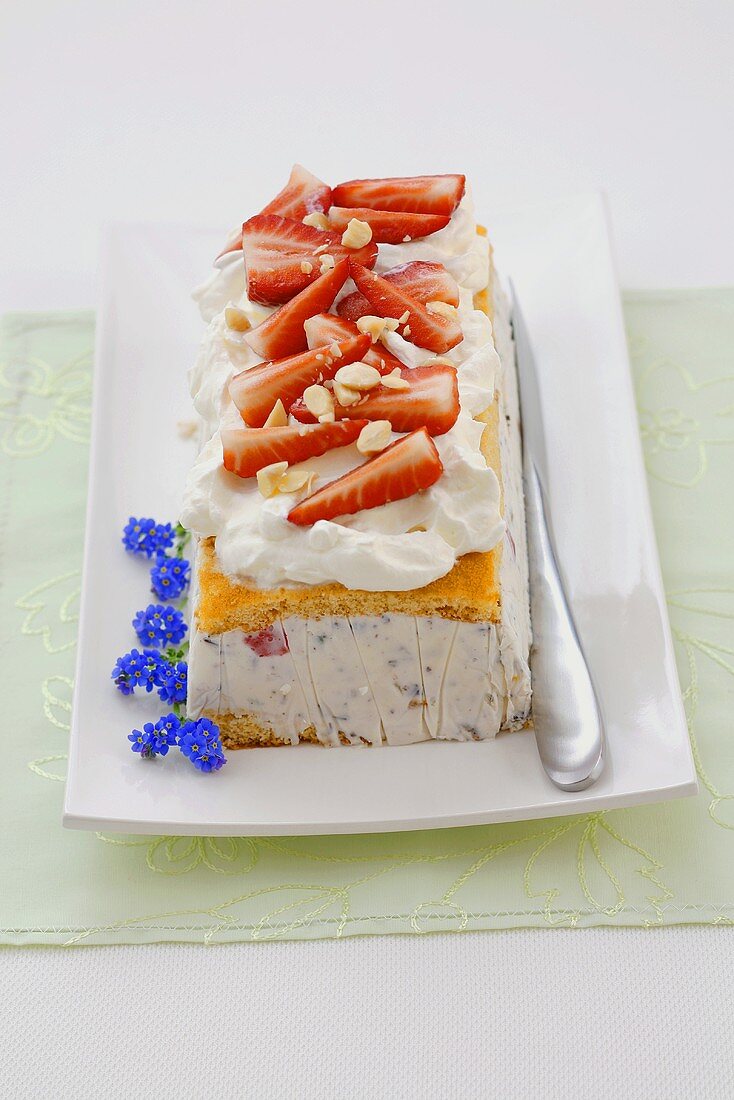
(187,112)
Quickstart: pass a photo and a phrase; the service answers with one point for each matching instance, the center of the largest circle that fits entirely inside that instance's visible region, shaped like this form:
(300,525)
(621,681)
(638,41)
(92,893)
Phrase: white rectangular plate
(147,332)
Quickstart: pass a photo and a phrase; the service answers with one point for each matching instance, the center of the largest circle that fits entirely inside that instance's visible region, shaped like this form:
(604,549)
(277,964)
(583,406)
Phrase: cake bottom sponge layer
(389,679)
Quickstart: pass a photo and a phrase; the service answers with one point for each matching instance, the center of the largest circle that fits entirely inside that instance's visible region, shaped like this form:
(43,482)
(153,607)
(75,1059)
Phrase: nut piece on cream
(374,437)
(357,234)
(236,319)
(372,326)
(268,478)
(293,480)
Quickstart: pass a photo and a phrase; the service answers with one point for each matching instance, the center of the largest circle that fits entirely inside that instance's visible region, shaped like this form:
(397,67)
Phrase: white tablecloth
(609,1014)
(176,111)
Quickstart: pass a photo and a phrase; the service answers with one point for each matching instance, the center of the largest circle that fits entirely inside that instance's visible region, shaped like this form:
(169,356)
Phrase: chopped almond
(357,234)
(345,395)
(374,437)
(443,308)
(317,220)
(293,480)
(326,263)
(319,401)
(372,326)
(306,267)
(358,376)
(395,381)
(268,478)
(278,417)
(236,319)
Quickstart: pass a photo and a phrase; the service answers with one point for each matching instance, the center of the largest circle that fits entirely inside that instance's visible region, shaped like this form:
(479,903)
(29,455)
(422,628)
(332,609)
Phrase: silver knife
(569,728)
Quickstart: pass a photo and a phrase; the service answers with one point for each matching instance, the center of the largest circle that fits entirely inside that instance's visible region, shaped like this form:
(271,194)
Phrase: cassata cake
(360,571)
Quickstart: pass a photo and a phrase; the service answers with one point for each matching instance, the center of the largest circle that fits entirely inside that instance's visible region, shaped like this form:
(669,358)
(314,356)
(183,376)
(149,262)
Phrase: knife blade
(567,718)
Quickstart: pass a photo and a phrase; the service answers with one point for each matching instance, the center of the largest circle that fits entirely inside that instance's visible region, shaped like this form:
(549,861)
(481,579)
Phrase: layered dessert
(360,573)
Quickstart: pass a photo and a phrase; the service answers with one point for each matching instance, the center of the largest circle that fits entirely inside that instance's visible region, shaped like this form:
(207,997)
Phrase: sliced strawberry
(325,327)
(389,226)
(299,411)
(427,282)
(419,194)
(282,333)
(353,306)
(247,450)
(256,390)
(432,402)
(404,468)
(282,256)
(303,194)
(427,330)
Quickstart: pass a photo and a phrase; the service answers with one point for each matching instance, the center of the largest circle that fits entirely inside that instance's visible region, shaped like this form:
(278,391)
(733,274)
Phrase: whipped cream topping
(398,546)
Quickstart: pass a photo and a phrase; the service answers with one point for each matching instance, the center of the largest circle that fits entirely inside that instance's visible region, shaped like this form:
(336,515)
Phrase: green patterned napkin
(666,864)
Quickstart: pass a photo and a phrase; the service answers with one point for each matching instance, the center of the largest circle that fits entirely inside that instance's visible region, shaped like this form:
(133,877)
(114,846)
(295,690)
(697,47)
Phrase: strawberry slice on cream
(255,390)
(415,322)
(247,450)
(428,399)
(389,226)
(283,256)
(422,280)
(325,327)
(407,466)
(282,333)
(416,194)
(303,194)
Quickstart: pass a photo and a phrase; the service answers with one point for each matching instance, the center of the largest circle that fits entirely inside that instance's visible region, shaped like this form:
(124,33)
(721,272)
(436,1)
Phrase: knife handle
(569,729)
